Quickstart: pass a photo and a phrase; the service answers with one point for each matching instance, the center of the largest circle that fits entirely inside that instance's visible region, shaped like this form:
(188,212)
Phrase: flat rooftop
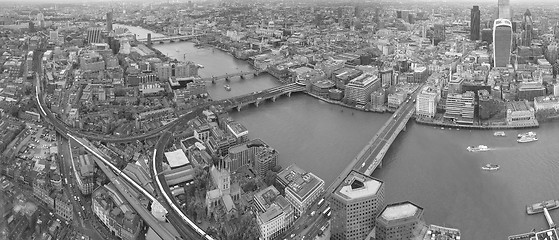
(299,181)
(176,158)
(402,210)
(237,129)
(357,185)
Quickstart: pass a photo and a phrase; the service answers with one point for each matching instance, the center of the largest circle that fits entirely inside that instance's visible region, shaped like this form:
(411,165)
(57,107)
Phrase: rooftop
(298,181)
(357,185)
(176,158)
(237,129)
(401,210)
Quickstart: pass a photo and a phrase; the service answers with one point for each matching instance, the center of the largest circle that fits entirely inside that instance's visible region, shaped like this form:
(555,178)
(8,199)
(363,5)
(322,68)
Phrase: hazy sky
(81,1)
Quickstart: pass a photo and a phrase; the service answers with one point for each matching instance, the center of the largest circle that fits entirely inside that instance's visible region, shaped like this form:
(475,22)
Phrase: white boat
(528,134)
(200,65)
(227,87)
(480,148)
(491,167)
(499,134)
(527,139)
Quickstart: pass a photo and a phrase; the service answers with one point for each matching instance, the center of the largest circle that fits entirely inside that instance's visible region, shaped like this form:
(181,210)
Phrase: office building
(460,108)
(84,172)
(359,89)
(528,29)
(95,35)
(245,154)
(165,71)
(355,203)
(109,22)
(399,221)
(265,159)
(530,90)
(519,112)
(53,36)
(475,24)
(426,102)
(504,10)
(275,214)
(487,35)
(239,131)
(502,42)
(439,33)
(301,187)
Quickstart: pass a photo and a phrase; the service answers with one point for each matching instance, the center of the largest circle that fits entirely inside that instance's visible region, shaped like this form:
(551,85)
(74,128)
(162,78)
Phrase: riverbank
(344,105)
(534,124)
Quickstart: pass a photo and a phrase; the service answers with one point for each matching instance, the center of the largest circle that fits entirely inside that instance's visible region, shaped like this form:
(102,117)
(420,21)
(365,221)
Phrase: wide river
(428,166)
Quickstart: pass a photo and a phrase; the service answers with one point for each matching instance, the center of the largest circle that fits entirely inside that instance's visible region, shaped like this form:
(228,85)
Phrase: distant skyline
(155,1)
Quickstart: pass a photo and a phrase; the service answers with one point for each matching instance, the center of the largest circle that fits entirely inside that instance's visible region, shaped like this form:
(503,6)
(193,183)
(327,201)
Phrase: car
(292,235)
(312,213)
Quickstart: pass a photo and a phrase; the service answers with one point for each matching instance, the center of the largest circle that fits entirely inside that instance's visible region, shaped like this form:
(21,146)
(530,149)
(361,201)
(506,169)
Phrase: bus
(320,202)
(326,211)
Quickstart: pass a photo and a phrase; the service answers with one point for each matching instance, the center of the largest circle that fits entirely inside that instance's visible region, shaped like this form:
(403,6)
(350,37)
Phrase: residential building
(301,187)
(355,203)
(245,154)
(63,206)
(239,131)
(400,220)
(117,215)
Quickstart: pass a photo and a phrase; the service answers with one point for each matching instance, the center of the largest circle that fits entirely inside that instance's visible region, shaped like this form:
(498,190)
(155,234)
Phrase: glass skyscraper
(502,42)
(504,9)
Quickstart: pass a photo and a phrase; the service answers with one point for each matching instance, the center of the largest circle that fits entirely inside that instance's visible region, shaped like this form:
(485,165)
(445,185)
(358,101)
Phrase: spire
(527,13)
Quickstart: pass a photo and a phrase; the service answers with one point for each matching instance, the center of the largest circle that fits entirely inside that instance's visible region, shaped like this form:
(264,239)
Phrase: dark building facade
(475,24)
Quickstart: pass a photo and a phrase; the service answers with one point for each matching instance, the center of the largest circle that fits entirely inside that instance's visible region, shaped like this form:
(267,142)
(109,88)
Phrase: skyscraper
(475,23)
(355,204)
(528,28)
(502,42)
(504,9)
(109,21)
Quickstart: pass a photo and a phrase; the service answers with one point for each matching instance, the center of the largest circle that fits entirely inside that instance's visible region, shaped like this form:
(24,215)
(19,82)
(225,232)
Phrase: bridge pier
(242,76)
(257,103)
(255,74)
(288,94)
(239,108)
(213,80)
(274,98)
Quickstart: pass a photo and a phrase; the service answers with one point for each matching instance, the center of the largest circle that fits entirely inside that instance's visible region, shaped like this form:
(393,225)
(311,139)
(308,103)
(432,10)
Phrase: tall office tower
(95,35)
(439,33)
(502,42)
(504,9)
(401,220)
(109,22)
(355,204)
(528,28)
(475,23)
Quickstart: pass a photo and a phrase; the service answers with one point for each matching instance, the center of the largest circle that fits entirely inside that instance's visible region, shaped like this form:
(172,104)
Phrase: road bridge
(170,39)
(228,76)
(370,157)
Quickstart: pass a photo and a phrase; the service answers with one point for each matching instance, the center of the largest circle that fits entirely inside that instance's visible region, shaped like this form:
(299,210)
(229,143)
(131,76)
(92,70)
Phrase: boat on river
(527,139)
(227,87)
(528,134)
(480,148)
(491,167)
(499,134)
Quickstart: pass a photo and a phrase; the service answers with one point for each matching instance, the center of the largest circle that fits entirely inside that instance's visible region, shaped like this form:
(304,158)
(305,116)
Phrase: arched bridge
(228,76)
(170,39)
(260,96)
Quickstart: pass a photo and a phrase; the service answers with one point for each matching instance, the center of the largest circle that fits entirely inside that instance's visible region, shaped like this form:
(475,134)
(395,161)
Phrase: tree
(276,168)
(270,177)
(249,186)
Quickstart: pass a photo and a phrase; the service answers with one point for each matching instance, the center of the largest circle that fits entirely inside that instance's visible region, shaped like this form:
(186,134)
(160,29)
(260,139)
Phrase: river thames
(428,166)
